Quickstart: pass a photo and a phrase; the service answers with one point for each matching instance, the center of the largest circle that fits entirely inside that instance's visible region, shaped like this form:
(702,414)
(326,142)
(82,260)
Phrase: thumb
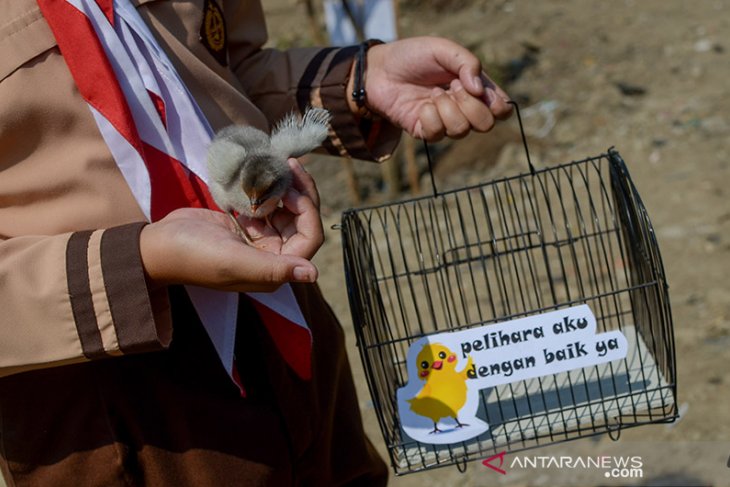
(265,271)
(460,61)
(284,268)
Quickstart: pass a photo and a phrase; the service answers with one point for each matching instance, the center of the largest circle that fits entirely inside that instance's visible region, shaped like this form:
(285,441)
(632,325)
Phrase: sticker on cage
(446,371)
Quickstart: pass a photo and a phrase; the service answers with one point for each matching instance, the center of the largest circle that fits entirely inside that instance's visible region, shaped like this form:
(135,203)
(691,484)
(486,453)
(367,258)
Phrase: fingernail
(303,274)
(294,163)
(437,92)
(491,97)
(418,130)
(478,83)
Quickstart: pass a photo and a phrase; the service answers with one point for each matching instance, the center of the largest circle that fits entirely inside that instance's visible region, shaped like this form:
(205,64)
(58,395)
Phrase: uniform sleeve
(76,297)
(281,81)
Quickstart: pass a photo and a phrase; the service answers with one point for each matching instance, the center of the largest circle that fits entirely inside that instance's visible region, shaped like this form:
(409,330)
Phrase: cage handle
(524,137)
(524,143)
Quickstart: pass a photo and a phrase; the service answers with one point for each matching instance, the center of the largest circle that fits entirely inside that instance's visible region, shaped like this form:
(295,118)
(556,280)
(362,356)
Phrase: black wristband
(359,95)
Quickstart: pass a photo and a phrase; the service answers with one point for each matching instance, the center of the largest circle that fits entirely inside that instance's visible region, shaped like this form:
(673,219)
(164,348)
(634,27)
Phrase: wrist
(356,90)
(153,257)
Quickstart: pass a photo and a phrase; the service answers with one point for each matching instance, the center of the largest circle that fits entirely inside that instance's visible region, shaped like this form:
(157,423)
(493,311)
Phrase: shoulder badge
(213,31)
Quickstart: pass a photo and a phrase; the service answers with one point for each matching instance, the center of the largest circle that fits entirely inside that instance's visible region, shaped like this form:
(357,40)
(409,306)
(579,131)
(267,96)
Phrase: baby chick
(248,169)
(444,392)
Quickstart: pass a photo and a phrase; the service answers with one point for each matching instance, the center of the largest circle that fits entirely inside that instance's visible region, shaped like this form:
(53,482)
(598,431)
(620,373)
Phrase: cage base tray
(565,406)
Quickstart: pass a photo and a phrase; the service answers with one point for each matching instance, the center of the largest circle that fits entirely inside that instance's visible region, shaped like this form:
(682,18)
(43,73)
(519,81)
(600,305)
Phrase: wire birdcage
(576,233)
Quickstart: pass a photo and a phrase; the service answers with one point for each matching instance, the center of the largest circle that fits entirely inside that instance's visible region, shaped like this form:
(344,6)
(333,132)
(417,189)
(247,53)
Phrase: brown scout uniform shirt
(73,289)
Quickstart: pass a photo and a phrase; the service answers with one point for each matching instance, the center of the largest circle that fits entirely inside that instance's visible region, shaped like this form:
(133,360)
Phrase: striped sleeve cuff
(324,84)
(113,309)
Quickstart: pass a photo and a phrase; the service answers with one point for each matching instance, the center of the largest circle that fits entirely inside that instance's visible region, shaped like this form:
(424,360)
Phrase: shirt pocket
(23,37)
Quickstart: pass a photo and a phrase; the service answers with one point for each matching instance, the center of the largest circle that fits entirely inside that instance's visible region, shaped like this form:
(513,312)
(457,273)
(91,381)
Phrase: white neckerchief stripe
(128,161)
(141,66)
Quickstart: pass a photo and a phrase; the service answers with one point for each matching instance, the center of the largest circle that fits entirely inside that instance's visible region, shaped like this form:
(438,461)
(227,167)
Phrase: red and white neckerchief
(159,137)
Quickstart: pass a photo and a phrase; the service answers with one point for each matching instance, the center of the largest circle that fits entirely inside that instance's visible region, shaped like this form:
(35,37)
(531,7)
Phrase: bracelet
(359,95)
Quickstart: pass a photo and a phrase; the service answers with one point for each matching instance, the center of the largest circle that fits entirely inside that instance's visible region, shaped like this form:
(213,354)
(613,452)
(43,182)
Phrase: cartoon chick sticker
(444,391)
(431,406)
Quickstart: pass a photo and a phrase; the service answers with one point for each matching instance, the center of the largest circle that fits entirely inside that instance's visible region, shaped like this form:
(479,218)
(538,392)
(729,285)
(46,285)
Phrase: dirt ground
(649,77)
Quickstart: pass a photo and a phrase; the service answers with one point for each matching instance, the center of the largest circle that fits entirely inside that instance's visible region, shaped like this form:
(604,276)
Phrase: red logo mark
(488,462)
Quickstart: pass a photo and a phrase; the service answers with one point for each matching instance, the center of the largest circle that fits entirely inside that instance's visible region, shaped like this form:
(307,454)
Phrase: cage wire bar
(519,246)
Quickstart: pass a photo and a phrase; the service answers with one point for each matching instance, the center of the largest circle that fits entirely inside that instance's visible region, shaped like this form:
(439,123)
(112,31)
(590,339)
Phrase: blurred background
(649,77)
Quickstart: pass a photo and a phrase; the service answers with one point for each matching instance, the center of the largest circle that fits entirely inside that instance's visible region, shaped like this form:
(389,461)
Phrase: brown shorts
(174,418)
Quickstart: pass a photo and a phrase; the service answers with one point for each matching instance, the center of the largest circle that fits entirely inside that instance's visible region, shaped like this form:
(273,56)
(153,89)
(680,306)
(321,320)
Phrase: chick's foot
(240,231)
(459,424)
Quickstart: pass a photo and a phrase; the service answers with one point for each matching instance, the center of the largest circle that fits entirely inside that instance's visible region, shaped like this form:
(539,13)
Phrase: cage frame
(639,249)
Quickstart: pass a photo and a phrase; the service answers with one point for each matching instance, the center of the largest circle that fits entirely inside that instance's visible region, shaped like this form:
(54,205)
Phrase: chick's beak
(437,365)
(256,203)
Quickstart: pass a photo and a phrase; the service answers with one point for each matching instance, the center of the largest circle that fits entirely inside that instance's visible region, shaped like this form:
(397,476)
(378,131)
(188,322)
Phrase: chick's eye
(442,355)
(424,365)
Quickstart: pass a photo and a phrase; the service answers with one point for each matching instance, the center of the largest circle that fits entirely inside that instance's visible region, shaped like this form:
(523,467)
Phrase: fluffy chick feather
(247,167)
